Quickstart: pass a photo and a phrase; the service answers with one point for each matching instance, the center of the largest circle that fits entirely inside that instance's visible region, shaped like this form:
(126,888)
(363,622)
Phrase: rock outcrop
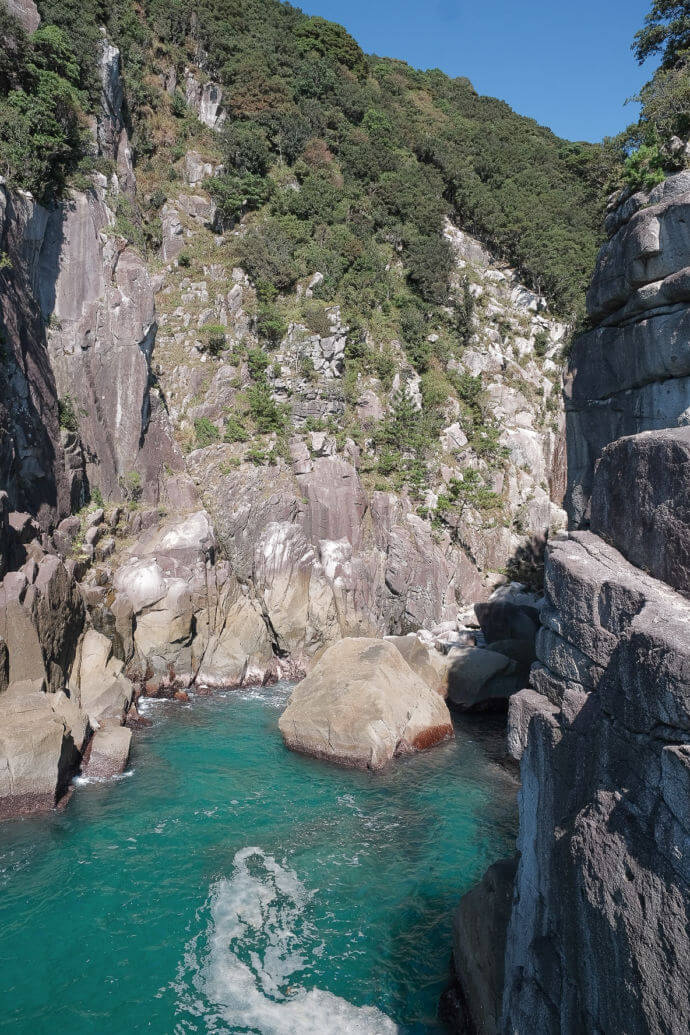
(598,936)
(58,683)
(325,559)
(26,12)
(479,938)
(180,614)
(631,373)
(41,468)
(598,939)
(361,705)
(641,502)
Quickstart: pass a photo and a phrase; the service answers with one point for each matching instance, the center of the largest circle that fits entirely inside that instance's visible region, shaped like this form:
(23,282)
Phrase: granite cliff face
(219,555)
(597,937)
(631,373)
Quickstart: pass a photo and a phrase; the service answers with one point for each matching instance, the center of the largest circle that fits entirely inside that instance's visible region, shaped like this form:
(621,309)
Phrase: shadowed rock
(479,941)
(641,502)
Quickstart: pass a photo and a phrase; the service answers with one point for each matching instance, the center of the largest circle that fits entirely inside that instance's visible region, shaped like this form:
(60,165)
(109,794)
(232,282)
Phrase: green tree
(245,147)
(666,31)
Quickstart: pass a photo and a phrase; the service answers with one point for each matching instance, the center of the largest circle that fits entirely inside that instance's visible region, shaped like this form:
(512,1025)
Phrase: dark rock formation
(599,934)
(632,372)
(34,470)
(598,938)
(479,938)
(641,502)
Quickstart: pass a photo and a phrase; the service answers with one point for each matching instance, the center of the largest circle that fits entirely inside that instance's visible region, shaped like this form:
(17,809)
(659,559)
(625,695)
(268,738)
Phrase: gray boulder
(481,679)
(641,502)
(509,619)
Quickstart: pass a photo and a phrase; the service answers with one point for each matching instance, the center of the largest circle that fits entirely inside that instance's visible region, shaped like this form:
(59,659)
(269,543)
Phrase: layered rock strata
(631,373)
(597,939)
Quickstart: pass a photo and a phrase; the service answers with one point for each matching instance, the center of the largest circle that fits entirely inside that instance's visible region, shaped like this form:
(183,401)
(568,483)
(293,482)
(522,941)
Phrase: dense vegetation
(382,152)
(665,100)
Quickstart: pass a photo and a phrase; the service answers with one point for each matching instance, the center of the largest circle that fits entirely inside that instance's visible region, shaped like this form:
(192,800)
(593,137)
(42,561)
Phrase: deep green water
(227,885)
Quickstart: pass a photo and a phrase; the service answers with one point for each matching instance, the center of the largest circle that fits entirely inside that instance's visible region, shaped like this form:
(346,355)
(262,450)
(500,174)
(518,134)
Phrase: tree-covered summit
(382,152)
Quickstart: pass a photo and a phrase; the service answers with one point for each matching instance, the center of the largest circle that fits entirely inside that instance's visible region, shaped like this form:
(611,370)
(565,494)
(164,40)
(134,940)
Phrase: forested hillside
(382,152)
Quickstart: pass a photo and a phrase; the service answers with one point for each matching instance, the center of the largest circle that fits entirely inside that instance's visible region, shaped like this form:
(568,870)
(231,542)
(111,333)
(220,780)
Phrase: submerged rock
(361,705)
(479,941)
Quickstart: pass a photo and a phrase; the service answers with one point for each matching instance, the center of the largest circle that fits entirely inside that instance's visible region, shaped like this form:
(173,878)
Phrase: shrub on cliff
(42,130)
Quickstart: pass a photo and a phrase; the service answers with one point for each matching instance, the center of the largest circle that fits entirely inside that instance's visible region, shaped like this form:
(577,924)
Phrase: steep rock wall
(598,936)
(631,373)
(35,470)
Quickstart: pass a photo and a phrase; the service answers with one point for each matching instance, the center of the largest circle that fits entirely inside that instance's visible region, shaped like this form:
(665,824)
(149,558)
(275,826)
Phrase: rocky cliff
(631,372)
(154,535)
(597,936)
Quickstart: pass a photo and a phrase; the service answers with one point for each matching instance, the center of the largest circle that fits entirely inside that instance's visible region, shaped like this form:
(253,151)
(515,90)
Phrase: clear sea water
(227,885)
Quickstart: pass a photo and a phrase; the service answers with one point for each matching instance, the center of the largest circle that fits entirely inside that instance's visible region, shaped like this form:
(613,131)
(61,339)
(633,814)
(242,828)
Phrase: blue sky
(566,63)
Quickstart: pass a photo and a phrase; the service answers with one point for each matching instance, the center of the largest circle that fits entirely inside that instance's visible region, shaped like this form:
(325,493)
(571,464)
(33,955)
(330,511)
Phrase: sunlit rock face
(632,372)
(26,12)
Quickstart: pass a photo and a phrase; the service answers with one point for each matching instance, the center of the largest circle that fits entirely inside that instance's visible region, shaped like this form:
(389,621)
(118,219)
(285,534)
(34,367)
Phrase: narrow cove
(225,884)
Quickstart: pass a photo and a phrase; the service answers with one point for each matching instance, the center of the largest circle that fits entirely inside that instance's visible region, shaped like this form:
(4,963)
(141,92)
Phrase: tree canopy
(666,31)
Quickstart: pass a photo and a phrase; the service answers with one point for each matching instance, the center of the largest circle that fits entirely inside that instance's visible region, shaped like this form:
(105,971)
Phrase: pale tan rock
(428,663)
(37,752)
(240,652)
(361,705)
(108,753)
(105,692)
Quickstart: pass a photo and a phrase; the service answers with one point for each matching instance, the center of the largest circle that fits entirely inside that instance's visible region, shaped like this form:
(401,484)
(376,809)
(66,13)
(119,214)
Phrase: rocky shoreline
(84,637)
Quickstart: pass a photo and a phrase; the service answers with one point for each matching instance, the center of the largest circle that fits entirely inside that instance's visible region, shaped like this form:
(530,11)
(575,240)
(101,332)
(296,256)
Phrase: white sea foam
(242,971)
(82,781)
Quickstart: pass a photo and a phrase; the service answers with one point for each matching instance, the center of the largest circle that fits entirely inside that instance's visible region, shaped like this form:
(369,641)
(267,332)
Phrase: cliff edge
(597,938)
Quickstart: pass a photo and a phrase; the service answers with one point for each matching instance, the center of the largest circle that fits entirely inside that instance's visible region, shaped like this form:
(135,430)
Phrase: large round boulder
(361,705)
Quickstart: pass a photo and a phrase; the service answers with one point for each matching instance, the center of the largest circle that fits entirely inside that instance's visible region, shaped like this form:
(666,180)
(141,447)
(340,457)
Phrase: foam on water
(164,921)
(243,970)
(84,781)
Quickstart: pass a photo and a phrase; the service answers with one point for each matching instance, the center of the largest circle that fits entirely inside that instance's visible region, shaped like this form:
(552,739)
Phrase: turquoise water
(227,885)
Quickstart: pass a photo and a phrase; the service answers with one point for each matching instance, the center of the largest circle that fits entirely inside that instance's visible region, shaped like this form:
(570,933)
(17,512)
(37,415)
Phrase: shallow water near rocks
(227,885)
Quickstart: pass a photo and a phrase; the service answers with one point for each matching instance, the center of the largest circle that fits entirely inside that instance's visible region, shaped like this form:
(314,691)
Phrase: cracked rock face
(26,12)
(598,937)
(632,372)
(97,294)
(641,502)
(323,559)
(58,681)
